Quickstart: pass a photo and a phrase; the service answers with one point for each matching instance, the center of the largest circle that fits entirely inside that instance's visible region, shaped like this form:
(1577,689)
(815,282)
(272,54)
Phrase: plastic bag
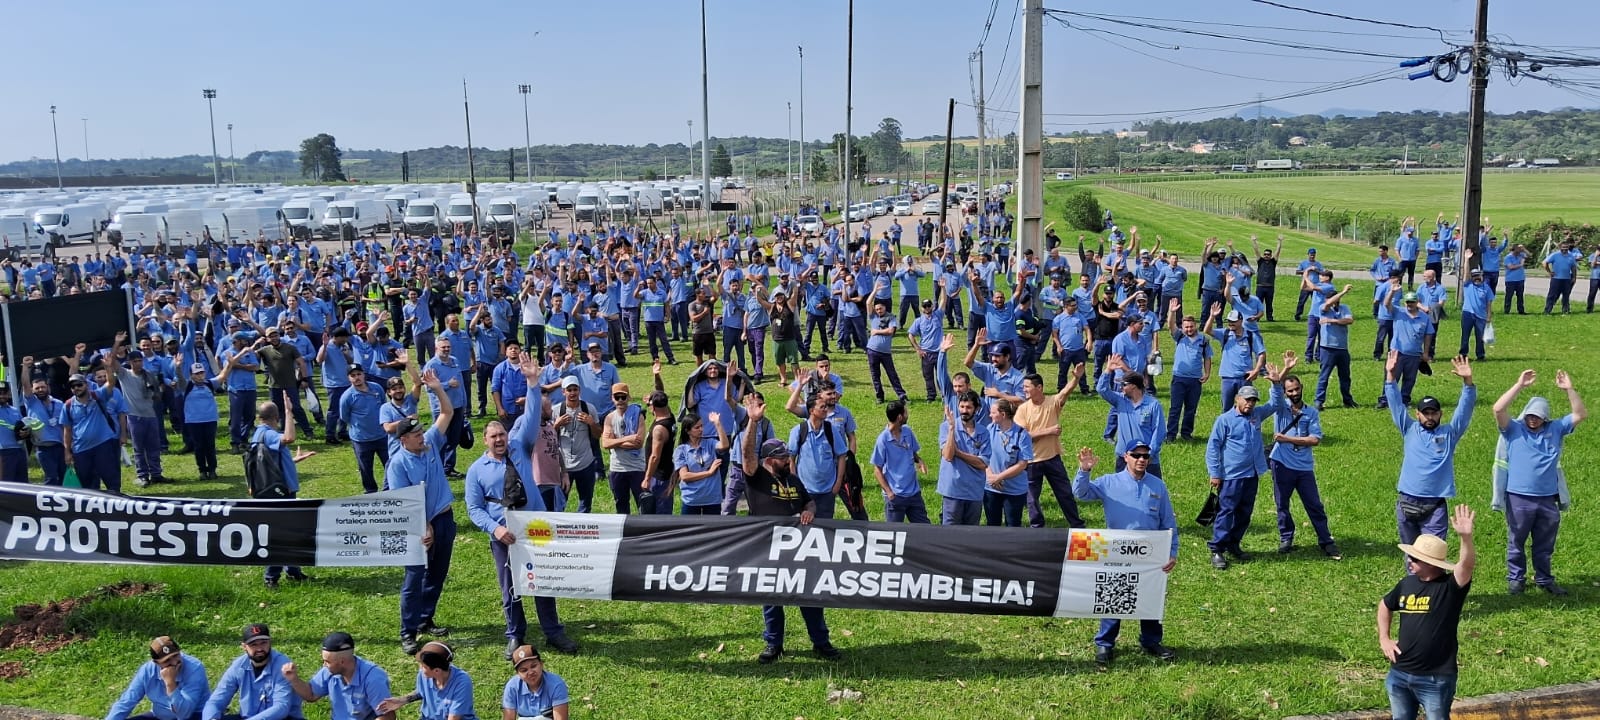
(312,404)
(1488,334)
(70,479)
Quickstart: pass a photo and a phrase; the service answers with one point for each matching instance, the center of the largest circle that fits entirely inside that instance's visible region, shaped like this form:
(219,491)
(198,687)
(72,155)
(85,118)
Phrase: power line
(1352,18)
(1005,54)
(1059,15)
(1097,34)
(994,7)
(1247,26)
(1346,84)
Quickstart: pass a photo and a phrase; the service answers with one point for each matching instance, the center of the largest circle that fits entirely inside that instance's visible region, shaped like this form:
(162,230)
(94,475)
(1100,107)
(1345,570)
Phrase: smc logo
(1133,550)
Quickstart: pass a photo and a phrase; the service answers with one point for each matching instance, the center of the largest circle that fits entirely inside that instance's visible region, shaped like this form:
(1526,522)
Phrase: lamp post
(85,139)
(233,165)
(216,165)
(690,171)
(788,144)
(527,135)
(57,139)
(803,171)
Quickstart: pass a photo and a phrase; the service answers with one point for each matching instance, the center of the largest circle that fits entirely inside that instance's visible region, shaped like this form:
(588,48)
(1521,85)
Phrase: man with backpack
(270,472)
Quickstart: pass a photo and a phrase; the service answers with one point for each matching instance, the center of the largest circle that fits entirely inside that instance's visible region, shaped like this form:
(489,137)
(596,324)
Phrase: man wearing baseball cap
(773,489)
(1427,465)
(257,677)
(1410,328)
(353,685)
(418,462)
(173,681)
(1422,663)
(1235,461)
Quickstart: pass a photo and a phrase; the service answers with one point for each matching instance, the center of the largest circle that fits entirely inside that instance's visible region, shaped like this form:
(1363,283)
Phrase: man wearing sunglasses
(1135,499)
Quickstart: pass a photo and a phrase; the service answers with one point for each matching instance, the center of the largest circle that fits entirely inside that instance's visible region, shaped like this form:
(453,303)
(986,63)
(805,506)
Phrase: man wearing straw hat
(1422,663)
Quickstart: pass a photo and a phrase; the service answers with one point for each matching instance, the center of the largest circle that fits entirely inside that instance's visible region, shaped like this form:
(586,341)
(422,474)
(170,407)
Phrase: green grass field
(1509,198)
(1275,636)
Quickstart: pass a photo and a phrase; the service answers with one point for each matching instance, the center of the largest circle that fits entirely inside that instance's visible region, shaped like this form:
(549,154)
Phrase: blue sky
(388,74)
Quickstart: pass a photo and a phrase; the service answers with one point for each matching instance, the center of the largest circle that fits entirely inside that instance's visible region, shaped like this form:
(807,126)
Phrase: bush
(1377,228)
(1533,235)
(1335,222)
(1081,210)
(1261,210)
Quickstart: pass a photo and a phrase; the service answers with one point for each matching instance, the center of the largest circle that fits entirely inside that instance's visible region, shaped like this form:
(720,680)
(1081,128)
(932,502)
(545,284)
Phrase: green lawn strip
(1509,199)
(1271,637)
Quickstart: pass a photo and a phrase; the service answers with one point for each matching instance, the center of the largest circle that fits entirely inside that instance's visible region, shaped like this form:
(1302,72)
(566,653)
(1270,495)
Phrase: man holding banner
(1134,500)
(773,489)
(507,464)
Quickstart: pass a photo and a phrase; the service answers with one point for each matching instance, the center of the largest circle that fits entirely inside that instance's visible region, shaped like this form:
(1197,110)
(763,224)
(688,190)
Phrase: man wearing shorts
(702,315)
(786,333)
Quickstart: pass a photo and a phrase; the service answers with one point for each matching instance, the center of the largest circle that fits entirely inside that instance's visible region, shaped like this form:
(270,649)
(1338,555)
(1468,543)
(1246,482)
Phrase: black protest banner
(778,561)
(72,525)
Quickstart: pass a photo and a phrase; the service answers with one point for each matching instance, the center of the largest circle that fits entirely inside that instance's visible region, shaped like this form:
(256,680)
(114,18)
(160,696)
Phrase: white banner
(564,554)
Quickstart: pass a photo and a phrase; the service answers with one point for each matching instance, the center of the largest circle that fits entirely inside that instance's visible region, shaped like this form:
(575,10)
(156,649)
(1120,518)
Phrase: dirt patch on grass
(44,628)
(12,670)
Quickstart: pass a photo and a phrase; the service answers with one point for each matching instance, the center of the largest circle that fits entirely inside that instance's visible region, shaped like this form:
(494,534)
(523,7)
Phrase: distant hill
(1268,111)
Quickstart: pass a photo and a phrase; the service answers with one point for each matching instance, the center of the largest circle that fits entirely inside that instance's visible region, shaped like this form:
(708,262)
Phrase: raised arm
(1502,405)
(1579,411)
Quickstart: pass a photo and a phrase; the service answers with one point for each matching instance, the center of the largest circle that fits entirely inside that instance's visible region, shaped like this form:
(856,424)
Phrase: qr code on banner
(392,542)
(1116,593)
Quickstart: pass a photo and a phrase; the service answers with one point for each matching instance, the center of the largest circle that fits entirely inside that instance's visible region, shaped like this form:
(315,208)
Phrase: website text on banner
(71,525)
(875,566)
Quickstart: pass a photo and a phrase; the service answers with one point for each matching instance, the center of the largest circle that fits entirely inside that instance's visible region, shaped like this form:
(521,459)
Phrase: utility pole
(1473,204)
(705,120)
(690,172)
(233,165)
(527,134)
(216,165)
(57,138)
(803,170)
(788,144)
(85,139)
(1030,132)
(845,158)
(981,133)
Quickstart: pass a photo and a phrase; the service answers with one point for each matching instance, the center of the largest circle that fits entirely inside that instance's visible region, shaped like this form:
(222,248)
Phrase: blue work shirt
(1189,354)
(273,440)
(336,360)
(454,699)
(47,411)
(356,699)
(1234,450)
(88,421)
(423,468)
(147,683)
(1475,299)
(1427,465)
(1239,352)
(527,703)
(1131,503)
(455,385)
(359,408)
(698,458)
(1008,382)
(896,458)
(1069,329)
(1410,332)
(957,479)
(507,380)
(1534,457)
(1304,422)
(594,386)
(199,404)
(883,343)
(1006,448)
(1331,335)
(1516,266)
(1562,265)
(816,461)
(926,331)
(263,693)
(1143,421)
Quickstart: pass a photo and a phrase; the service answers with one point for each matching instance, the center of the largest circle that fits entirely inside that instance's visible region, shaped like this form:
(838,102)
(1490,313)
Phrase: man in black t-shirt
(772,489)
(1422,665)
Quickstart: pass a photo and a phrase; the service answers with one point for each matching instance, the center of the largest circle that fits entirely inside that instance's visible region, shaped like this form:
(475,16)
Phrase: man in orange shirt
(1040,415)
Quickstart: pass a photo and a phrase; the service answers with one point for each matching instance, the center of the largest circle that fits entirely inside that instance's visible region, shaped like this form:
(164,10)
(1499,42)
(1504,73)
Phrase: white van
(69,224)
(361,217)
(245,224)
(186,227)
(691,196)
(425,216)
(397,202)
(509,213)
(649,201)
(619,203)
(114,230)
(143,232)
(18,237)
(567,196)
(462,211)
(587,204)
(304,215)
(1063,176)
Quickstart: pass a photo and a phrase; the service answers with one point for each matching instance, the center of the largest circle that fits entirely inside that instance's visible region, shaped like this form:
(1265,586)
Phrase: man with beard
(963,461)
(257,678)
(90,433)
(43,411)
(1297,429)
(1427,465)
(774,490)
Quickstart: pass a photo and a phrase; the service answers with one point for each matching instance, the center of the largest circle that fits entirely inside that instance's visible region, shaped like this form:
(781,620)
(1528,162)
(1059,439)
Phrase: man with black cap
(353,685)
(772,489)
(1529,484)
(1134,500)
(1427,466)
(1243,353)
(257,678)
(1411,327)
(173,681)
(90,433)
(417,462)
(1422,664)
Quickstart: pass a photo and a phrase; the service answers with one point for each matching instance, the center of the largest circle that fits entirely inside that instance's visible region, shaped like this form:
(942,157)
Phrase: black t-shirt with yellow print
(1430,612)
